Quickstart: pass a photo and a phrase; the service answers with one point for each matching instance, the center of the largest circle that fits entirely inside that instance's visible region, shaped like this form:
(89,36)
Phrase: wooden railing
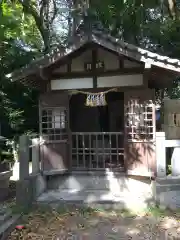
(97,150)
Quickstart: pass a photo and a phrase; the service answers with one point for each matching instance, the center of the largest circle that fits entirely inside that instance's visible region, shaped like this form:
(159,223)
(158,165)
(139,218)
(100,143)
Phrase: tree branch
(30,9)
(54,12)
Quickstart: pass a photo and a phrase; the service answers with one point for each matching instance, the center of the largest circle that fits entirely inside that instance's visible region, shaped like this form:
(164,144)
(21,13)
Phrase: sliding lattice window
(53,123)
(140,124)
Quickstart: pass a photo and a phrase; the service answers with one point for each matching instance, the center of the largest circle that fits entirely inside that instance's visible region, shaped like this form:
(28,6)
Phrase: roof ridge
(130,45)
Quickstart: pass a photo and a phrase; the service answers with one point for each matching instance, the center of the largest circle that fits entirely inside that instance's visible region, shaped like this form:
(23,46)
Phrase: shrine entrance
(97,132)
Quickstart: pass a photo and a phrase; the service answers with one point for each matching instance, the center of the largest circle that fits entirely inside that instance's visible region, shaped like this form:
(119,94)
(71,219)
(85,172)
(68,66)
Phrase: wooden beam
(147,65)
(43,74)
(121,62)
(146,74)
(69,66)
(94,61)
(48,86)
(125,71)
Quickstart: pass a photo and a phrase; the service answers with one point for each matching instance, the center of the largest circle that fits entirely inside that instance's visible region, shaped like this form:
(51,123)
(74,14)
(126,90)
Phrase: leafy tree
(43,13)
(15,99)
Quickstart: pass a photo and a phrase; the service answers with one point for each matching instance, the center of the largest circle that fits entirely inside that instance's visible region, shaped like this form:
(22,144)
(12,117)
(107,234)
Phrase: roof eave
(137,53)
(103,40)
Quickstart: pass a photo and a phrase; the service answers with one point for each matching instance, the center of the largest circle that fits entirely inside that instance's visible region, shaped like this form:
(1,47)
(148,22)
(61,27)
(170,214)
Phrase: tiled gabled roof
(135,52)
(103,39)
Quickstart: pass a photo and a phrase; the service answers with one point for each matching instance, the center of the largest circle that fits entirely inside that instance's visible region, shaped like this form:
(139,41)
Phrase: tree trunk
(172,9)
(70,20)
(41,19)
(75,17)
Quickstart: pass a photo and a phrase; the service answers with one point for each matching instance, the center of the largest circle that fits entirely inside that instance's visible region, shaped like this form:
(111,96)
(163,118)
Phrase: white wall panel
(120,81)
(75,83)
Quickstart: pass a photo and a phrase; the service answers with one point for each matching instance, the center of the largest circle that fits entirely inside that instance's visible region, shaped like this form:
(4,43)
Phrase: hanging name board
(99,66)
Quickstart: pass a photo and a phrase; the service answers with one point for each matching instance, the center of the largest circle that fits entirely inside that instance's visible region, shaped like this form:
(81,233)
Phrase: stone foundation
(167,192)
(29,189)
(129,192)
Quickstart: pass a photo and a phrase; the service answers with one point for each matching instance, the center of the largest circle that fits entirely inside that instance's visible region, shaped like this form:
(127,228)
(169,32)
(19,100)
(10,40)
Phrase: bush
(6,157)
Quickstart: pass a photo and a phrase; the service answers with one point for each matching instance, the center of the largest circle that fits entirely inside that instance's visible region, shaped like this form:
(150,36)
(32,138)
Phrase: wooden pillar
(146,74)
(94,61)
(24,156)
(160,154)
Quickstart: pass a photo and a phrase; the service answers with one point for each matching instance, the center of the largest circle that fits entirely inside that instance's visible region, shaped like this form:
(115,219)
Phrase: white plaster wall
(120,81)
(75,83)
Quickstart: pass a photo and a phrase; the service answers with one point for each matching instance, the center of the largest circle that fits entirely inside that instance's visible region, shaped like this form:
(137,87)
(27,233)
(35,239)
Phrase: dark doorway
(97,132)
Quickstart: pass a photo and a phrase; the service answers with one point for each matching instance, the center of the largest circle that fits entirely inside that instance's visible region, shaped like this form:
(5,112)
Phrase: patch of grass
(128,213)
(151,211)
(86,211)
(20,209)
(63,209)
(161,213)
(157,212)
(43,209)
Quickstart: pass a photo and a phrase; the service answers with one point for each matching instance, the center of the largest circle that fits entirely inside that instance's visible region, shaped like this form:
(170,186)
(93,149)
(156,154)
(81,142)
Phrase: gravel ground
(83,224)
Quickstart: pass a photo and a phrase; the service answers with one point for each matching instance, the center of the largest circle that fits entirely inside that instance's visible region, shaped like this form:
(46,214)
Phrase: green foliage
(144,23)
(15,99)
(148,24)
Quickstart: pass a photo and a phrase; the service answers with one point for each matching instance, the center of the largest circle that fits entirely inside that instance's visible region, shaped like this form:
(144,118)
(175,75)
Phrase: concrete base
(4,184)
(96,198)
(27,190)
(115,182)
(40,185)
(93,188)
(167,192)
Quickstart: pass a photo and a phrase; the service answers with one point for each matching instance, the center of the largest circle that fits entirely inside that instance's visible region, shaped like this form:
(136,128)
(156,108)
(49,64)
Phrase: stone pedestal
(175,162)
(4,184)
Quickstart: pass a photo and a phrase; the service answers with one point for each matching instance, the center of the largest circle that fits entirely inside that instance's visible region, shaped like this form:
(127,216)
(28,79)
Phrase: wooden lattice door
(140,132)
(55,132)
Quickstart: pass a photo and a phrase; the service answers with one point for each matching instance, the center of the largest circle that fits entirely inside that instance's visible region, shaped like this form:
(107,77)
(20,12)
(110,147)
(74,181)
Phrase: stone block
(24,193)
(24,157)
(4,184)
(169,180)
(39,184)
(167,192)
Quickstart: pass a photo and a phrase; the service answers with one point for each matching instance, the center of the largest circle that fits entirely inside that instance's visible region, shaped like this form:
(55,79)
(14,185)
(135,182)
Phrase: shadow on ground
(75,222)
